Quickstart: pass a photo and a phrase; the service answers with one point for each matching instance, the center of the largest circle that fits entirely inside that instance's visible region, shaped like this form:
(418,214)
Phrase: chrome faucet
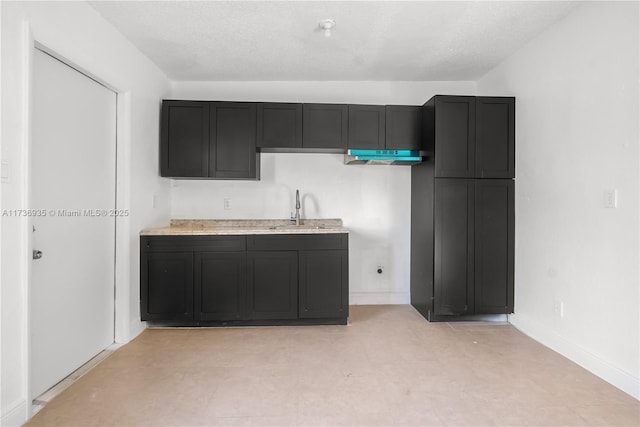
(296,218)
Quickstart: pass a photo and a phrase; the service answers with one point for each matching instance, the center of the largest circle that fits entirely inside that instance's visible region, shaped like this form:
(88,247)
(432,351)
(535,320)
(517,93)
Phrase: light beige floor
(389,367)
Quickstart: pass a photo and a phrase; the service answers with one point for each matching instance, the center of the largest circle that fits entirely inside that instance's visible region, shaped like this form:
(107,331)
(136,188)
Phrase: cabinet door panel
(184,139)
(220,286)
(453,258)
(166,286)
(495,137)
(367,127)
(324,278)
(325,126)
(494,245)
(279,125)
(273,285)
(233,140)
(455,136)
(403,127)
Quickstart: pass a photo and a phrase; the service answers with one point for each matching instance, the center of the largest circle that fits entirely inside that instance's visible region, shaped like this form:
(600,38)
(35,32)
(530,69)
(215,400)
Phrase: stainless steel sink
(298,227)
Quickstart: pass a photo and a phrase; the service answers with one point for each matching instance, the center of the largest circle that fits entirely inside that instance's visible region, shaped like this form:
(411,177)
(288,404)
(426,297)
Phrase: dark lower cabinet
(462,245)
(494,246)
(166,286)
(273,285)
(244,280)
(474,244)
(324,277)
(220,285)
(453,266)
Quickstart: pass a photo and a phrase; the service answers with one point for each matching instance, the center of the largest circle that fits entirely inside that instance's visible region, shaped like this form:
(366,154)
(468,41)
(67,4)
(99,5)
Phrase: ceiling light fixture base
(327,25)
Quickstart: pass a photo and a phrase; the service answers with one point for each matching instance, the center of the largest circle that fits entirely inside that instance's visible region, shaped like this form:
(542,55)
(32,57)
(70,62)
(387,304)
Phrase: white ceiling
(280,40)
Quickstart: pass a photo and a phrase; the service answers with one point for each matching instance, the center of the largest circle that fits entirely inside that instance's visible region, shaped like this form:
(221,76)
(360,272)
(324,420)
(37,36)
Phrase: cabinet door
(366,127)
(453,257)
(272,289)
(403,127)
(220,285)
(184,139)
(495,137)
(279,125)
(325,126)
(455,129)
(166,286)
(233,140)
(324,284)
(494,245)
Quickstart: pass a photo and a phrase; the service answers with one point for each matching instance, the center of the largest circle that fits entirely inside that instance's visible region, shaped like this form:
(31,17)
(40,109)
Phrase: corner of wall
(15,414)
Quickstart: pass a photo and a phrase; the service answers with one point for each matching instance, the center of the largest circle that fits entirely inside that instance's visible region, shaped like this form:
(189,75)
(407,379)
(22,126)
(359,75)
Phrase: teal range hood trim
(382,157)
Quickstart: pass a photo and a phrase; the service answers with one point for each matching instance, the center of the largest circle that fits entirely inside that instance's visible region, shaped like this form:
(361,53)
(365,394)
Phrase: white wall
(78,33)
(577,136)
(373,201)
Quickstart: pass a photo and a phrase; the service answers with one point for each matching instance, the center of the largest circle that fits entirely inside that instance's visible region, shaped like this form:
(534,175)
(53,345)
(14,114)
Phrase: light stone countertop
(212,227)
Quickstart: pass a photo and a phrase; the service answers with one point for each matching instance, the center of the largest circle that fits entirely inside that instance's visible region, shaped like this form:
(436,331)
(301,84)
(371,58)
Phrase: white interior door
(73,181)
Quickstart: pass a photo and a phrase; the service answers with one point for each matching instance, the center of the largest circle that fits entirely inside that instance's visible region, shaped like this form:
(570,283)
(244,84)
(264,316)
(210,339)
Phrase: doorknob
(37,254)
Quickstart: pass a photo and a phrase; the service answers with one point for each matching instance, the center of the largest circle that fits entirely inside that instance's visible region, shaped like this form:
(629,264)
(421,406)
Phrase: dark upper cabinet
(272,286)
(279,125)
(220,285)
(325,126)
(403,127)
(166,286)
(494,245)
(453,246)
(471,137)
(208,140)
(184,139)
(366,127)
(324,278)
(495,137)
(233,140)
(453,136)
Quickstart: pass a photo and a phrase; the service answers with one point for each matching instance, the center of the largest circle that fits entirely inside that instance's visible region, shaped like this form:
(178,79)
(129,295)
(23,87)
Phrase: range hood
(382,157)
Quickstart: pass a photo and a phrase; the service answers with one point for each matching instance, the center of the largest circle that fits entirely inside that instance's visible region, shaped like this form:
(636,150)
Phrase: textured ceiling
(280,40)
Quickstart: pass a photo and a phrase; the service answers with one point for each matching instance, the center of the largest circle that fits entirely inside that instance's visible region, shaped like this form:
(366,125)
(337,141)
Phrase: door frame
(122,256)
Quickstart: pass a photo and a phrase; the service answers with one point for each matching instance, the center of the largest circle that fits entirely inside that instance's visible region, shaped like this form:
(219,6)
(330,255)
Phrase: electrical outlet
(4,171)
(227,204)
(611,199)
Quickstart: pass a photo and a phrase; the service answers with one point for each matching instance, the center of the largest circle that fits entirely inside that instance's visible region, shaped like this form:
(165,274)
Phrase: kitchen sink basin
(298,227)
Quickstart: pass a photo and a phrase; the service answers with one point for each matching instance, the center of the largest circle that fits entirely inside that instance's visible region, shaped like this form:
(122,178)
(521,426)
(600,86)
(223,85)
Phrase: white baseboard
(136,327)
(14,415)
(576,353)
(375,298)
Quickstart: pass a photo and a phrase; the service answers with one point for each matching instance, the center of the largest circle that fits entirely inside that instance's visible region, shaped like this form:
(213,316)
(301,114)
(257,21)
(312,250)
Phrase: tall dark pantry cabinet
(462,208)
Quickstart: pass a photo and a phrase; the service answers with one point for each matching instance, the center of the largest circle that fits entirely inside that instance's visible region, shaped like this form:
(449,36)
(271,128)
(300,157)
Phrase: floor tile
(388,367)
